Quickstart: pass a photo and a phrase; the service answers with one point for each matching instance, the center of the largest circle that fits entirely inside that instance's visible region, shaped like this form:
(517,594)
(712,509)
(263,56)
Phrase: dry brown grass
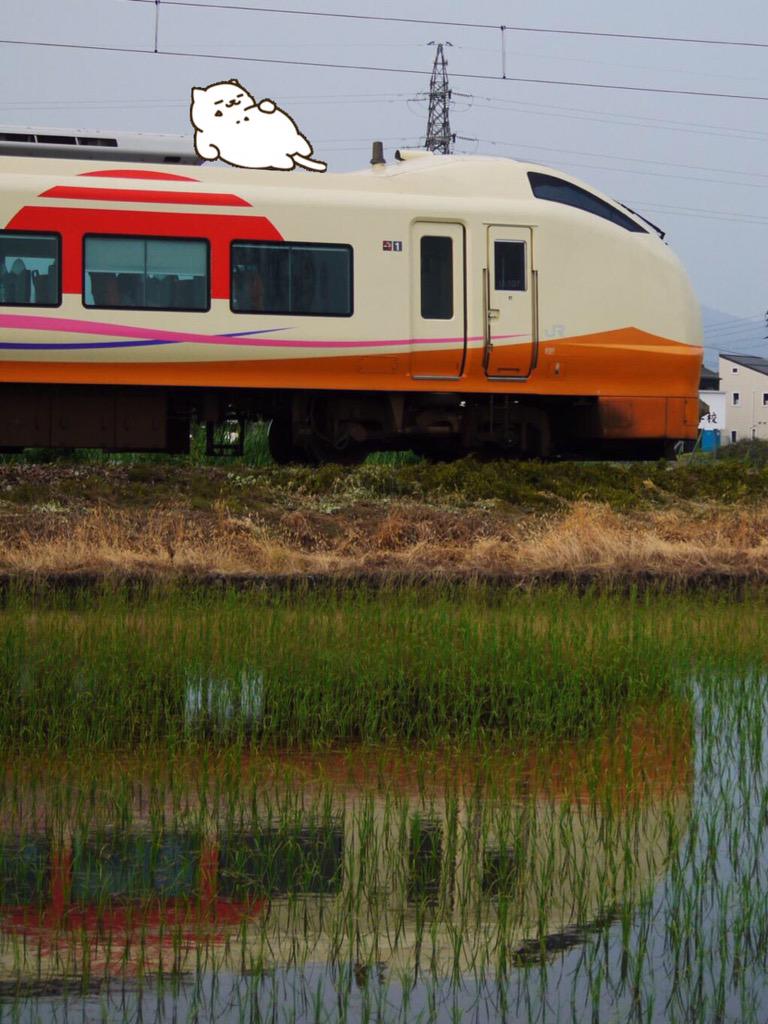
(396,537)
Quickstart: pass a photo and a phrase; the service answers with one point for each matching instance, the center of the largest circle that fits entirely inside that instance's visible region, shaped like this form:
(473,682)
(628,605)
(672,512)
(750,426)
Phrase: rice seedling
(113,670)
(388,806)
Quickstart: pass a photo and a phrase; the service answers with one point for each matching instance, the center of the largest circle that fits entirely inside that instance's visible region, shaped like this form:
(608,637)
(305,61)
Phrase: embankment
(685,525)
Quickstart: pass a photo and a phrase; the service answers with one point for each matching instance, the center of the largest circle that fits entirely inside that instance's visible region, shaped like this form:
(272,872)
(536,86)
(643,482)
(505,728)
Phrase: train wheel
(350,454)
(328,440)
(280,442)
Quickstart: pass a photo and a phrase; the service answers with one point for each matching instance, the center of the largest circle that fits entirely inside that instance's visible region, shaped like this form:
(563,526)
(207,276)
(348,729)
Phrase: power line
(335,99)
(93,47)
(736,323)
(630,170)
(495,103)
(752,316)
(745,349)
(720,215)
(632,120)
(608,156)
(464,24)
(735,331)
(734,339)
(730,339)
(659,163)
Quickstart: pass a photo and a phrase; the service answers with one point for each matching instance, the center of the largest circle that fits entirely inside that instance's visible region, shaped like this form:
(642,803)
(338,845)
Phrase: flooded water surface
(617,874)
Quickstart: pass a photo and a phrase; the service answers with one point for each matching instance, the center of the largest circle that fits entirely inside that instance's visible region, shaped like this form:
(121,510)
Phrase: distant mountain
(726,333)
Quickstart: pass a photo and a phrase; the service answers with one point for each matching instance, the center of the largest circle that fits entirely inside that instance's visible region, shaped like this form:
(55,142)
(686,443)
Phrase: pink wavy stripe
(63,324)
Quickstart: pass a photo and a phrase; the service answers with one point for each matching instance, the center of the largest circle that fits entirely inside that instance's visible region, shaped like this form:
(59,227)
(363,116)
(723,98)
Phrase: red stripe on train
(148,175)
(74,222)
(125,195)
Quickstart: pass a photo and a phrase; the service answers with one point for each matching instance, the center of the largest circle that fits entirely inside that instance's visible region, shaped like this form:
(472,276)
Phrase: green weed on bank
(245,483)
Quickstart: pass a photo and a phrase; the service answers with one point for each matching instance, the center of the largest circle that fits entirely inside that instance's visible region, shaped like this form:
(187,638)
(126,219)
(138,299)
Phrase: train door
(438,306)
(510,303)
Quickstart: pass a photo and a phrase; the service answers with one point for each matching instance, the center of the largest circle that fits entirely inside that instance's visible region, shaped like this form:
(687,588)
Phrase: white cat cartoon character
(231,126)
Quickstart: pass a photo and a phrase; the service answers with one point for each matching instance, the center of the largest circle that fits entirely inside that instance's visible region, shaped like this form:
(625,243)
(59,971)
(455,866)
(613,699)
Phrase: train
(443,304)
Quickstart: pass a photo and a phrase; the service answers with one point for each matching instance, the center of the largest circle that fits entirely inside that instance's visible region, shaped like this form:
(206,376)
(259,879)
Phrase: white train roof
(409,172)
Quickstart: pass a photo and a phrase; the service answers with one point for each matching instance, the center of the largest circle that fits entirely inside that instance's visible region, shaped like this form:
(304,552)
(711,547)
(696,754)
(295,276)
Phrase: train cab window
(546,186)
(509,266)
(146,273)
(436,277)
(291,278)
(30,269)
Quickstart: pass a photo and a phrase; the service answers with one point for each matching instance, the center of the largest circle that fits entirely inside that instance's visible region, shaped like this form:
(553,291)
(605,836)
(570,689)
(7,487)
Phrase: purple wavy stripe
(67,346)
(147,336)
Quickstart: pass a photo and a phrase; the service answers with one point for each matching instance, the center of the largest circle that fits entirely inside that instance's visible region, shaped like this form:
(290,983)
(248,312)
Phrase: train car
(443,304)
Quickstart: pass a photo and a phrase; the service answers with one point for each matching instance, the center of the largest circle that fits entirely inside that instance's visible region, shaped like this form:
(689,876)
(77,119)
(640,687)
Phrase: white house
(744,381)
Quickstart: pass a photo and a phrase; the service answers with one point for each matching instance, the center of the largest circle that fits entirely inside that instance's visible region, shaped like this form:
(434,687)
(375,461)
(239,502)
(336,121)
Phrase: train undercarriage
(314,426)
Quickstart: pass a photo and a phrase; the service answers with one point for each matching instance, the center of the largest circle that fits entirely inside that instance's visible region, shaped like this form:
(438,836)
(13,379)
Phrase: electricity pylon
(439,137)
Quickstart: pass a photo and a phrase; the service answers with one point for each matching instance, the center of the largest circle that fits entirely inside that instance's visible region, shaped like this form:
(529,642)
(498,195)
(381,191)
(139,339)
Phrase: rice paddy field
(393,804)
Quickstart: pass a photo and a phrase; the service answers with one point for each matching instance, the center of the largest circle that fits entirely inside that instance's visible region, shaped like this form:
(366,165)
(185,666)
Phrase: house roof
(757,363)
(709,380)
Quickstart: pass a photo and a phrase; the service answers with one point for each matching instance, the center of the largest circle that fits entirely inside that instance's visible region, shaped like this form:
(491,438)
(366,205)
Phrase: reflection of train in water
(444,304)
(334,873)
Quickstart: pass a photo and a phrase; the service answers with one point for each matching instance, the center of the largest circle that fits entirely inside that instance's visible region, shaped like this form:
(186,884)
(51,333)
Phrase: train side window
(146,273)
(509,266)
(547,186)
(291,278)
(436,277)
(30,269)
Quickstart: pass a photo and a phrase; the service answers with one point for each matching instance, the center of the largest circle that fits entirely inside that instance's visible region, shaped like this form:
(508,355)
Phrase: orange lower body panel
(646,386)
(648,417)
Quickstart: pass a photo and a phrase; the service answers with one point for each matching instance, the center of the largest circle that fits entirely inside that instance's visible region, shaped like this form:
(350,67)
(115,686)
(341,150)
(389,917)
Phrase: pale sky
(695,165)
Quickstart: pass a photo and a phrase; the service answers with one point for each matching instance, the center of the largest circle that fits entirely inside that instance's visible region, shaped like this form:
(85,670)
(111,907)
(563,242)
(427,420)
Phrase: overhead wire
(751,316)
(734,339)
(632,120)
(732,216)
(659,163)
(626,170)
(747,348)
(393,19)
(717,215)
(330,65)
(736,324)
(725,343)
(740,335)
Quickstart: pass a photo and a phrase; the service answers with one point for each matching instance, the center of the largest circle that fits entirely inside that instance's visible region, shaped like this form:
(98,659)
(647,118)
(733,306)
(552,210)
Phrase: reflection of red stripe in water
(124,939)
(204,913)
(125,195)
